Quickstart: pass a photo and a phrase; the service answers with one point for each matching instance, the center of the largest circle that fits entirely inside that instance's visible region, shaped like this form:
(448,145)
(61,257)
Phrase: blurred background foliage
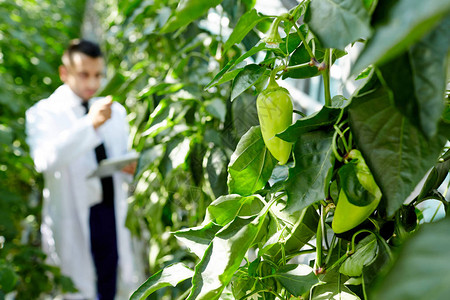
(185,134)
(33,35)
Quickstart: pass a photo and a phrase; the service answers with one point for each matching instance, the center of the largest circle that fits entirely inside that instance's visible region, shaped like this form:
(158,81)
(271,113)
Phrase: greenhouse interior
(224,149)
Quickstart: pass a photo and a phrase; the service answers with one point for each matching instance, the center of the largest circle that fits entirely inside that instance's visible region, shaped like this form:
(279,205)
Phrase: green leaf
(365,254)
(332,287)
(339,101)
(293,39)
(297,279)
(417,79)
(246,79)
(241,284)
(313,161)
(216,168)
(251,164)
(197,239)
(422,268)
(398,24)
(6,135)
(370,5)
(223,257)
(169,276)
(379,266)
(159,118)
(148,157)
(113,85)
(224,209)
(295,236)
(428,61)
(216,108)
(227,76)
(327,116)
(246,23)
(230,65)
(176,153)
(391,145)
(338,23)
(8,278)
(188,11)
(364,73)
(435,178)
(301,56)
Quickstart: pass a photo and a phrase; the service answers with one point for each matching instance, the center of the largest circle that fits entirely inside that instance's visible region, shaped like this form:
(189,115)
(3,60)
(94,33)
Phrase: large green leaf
(327,116)
(391,145)
(365,254)
(223,257)
(246,79)
(313,161)
(422,270)
(297,279)
(224,209)
(244,25)
(398,24)
(417,79)
(338,23)
(197,239)
(169,276)
(187,11)
(428,62)
(251,164)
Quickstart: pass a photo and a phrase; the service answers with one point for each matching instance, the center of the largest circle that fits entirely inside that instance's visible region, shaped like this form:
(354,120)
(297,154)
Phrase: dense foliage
(219,216)
(32,38)
(370,151)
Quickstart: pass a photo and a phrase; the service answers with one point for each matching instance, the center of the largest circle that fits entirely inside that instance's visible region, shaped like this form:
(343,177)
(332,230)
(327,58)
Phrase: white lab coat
(62,141)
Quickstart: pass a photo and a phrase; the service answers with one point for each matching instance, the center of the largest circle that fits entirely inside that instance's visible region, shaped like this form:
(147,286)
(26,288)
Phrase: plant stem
(299,113)
(330,250)
(289,257)
(272,82)
(319,238)
(341,259)
(283,254)
(300,66)
(435,213)
(334,148)
(326,77)
(342,135)
(302,37)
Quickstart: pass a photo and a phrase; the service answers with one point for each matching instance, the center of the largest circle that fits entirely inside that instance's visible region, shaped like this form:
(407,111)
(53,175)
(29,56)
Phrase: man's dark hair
(89,48)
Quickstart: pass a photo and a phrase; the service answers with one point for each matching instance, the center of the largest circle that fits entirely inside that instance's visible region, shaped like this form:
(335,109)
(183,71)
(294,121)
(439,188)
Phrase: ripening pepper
(274,106)
(362,189)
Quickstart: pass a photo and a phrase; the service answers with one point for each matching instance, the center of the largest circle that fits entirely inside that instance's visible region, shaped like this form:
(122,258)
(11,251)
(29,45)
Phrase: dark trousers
(104,248)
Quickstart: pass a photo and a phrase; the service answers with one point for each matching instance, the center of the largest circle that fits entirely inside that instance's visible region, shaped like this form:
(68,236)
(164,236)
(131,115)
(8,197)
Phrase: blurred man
(83,217)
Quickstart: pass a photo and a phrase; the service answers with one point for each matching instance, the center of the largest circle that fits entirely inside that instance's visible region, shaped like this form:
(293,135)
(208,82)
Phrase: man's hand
(100,111)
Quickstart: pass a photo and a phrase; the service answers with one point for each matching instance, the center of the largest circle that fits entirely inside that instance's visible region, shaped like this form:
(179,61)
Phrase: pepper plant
(334,221)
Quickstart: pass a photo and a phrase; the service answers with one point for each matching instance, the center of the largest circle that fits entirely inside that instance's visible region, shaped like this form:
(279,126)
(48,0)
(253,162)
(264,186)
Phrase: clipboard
(108,166)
